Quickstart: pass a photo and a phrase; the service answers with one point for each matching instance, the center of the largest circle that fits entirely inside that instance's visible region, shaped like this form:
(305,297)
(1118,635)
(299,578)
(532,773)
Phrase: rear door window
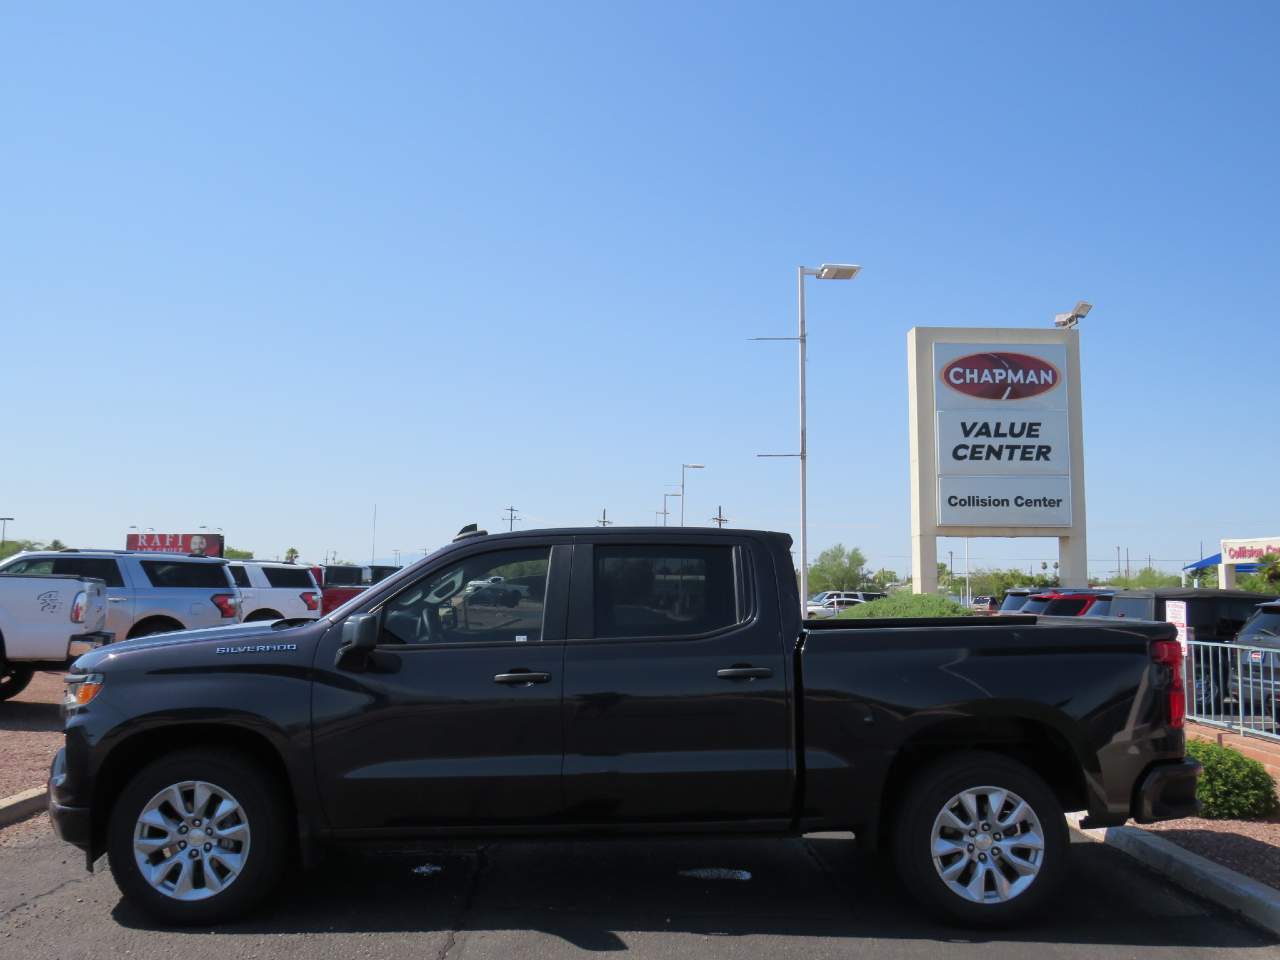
(1101,608)
(1034,605)
(298,578)
(664,591)
(240,575)
(100,568)
(179,573)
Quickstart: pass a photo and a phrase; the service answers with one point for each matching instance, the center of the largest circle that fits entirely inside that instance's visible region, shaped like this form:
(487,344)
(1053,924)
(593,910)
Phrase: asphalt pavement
(813,898)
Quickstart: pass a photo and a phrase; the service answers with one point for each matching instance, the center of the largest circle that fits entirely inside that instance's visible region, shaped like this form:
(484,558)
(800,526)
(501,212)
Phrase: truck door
(676,684)
(455,719)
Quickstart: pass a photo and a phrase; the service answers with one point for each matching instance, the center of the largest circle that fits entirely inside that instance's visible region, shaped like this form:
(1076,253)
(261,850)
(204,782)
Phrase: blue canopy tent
(1214,561)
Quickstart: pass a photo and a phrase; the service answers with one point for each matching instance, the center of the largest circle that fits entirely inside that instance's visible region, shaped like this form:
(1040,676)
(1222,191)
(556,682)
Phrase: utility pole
(1118,573)
(604,520)
(373,538)
(511,519)
(951,571)
(4,528)
(397,556)
(1128,571)
(720,519)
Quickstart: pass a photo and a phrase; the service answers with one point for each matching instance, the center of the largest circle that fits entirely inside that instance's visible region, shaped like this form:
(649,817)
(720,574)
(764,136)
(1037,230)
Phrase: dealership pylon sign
(996,441)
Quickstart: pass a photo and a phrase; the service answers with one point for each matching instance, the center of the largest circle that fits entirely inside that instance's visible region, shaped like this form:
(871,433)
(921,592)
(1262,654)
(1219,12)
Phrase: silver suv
(146,592)
(270,590)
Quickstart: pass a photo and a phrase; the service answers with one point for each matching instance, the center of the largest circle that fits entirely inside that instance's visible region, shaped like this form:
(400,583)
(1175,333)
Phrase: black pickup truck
(645,681)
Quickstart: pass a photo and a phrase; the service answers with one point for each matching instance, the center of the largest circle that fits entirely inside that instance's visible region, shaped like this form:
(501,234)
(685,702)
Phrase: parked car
(1254,673)
(655,683)
(1065,601)
(1016,598)
(46,621)
(271,590)
(1213,616)
(146,592)
(342,581)
(984,604)
(832,607)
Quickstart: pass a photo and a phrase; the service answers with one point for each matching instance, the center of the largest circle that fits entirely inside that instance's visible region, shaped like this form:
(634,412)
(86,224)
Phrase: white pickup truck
(46,622)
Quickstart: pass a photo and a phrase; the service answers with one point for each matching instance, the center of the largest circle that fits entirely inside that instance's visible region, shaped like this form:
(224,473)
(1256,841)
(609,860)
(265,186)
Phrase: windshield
(1013,601)
(1263,625)
(1034,605)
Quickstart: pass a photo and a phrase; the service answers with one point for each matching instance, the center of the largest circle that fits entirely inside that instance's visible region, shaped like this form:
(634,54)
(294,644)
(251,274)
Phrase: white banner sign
(1003,434)
(1004,501)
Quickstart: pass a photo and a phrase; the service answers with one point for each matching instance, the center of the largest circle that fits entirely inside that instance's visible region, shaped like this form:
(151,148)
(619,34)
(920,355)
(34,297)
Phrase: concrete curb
(23,805)
(1256,901)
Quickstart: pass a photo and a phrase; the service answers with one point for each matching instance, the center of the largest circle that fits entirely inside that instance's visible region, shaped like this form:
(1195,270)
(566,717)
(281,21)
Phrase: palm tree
(1269,567)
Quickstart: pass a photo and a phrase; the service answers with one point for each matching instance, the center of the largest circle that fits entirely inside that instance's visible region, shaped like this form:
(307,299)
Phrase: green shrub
(907,605)
(1233,786)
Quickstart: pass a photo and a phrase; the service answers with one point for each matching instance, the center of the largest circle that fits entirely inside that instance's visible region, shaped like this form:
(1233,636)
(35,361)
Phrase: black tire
(259,795)
(923,802)
(14,678)
(149,628)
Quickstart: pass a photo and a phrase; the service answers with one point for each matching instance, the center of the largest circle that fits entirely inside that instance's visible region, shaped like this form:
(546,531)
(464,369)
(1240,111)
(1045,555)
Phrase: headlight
(81,688)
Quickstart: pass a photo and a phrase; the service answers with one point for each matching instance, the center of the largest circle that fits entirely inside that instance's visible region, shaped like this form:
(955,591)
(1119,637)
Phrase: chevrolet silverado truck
(645,681)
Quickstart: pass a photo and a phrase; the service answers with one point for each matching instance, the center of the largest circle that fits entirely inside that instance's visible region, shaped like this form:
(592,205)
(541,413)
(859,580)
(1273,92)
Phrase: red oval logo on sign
(1001,376)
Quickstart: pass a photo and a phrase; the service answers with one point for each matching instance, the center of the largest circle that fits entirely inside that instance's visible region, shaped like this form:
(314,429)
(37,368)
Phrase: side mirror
(359,637)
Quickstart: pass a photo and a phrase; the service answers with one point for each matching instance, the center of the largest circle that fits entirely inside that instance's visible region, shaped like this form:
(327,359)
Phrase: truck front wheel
(198,837)
(14,678)
(980,839)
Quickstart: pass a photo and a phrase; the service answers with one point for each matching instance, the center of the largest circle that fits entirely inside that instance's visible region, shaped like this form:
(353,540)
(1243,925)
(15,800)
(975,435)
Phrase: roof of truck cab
(612,531)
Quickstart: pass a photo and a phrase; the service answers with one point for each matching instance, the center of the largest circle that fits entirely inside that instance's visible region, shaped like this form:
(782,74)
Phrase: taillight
(309,599)
(227,604)
(1168,653)
(78,607)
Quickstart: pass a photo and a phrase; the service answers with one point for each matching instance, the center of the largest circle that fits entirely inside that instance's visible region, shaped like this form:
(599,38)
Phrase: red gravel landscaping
(30,734)
(1251,847)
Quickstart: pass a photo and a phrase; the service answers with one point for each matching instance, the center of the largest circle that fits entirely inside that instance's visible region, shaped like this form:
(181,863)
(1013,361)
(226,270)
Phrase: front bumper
(1167,791)
(82,643)
(72,824)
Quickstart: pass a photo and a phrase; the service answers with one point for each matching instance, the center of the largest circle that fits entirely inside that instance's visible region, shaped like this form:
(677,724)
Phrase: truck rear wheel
(980,839)
(14,678)
(198,837)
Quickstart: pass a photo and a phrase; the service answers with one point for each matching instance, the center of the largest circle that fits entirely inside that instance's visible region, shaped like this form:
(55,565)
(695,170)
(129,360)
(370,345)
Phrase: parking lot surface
(812,898)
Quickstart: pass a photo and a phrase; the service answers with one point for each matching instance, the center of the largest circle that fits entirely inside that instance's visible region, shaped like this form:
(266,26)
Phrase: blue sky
(264,268)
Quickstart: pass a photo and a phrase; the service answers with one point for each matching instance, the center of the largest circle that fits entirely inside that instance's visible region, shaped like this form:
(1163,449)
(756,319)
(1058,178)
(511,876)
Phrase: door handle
(744,673)
(521,677)
(115,599)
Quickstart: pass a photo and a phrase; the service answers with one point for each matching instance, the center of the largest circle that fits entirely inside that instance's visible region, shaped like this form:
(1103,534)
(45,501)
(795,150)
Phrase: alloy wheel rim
(191,840)
(987,845)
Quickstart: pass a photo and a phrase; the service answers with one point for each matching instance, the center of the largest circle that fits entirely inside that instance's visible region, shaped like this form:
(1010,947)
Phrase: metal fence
(1235,686)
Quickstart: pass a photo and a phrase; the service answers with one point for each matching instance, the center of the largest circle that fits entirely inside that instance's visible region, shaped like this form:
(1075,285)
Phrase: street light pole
(683,468)
(666,512)
(828,271)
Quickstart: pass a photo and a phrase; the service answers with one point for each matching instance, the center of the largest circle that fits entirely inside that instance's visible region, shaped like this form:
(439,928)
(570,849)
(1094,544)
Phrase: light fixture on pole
(683,468)
(1070,320)
(828,271)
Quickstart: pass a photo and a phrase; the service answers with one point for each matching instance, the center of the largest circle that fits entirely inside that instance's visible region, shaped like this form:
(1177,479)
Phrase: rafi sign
(1003,435)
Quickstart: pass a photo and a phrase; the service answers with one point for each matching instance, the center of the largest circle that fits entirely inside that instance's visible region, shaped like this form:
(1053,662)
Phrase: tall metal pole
(682,469)
(804,452)
(4,529)
(373,536)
